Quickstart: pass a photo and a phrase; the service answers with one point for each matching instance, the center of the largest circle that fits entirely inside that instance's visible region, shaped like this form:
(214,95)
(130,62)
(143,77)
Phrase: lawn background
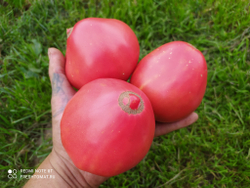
(213,152)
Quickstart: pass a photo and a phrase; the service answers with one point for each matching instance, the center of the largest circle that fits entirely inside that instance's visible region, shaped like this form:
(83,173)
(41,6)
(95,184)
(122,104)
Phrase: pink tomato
(107,127)
(100,48)
(174,77)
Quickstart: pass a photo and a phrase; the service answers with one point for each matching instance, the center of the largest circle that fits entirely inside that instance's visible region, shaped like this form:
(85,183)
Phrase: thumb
(62,91)
(56,62)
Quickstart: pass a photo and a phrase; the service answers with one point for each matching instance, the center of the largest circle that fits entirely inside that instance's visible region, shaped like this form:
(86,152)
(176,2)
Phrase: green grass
(213,152)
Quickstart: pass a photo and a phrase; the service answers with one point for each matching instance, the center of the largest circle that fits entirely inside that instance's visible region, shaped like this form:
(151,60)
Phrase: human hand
(58,161)
(62,92)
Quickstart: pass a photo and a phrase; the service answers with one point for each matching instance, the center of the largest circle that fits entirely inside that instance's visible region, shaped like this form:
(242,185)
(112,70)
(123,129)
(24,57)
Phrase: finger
(62,91)
(56,62)
(164,128)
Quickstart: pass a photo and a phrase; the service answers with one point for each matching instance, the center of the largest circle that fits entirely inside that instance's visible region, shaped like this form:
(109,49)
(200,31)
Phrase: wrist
(69,174)
(62,173)
(46,169)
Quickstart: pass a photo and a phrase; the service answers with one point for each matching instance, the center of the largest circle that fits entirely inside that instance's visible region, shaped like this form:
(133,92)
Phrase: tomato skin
(100,48)
(99,136)
(174,77)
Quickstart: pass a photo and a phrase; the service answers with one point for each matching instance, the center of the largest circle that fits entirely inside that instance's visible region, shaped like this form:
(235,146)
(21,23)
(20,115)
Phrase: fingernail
(69,31)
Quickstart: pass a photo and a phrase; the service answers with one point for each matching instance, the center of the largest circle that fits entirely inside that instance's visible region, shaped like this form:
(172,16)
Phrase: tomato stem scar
(131,102)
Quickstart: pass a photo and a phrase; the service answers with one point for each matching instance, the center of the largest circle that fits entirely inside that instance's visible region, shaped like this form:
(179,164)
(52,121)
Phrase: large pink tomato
(174,77)
(107,127)
(100,48)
